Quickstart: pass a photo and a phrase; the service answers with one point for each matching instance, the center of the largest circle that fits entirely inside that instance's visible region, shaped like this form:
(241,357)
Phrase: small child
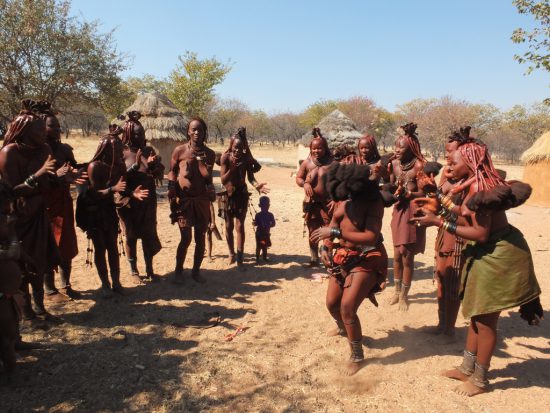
(264,221)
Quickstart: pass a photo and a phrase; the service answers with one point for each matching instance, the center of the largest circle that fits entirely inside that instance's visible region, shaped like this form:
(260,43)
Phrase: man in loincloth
(237,165)
(316,204)
(408,239)
(190,191)
(358,263)
(138,218)
(26,164)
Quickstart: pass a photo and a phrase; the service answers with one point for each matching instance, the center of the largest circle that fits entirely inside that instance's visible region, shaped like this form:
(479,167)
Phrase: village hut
(537,170)
(164,124)
(337,128)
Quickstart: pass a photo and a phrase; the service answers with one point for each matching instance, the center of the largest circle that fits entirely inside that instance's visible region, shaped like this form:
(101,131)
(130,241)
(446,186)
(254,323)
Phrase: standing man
(190,191)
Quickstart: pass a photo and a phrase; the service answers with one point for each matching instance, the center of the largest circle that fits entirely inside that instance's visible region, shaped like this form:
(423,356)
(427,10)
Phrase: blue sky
(288,54)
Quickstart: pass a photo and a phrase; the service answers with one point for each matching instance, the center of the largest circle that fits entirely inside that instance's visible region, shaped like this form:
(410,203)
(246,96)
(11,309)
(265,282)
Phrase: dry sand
(149,351)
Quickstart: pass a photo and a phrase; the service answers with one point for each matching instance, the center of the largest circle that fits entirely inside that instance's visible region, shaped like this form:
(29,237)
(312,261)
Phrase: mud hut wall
(164,148)
(538,176)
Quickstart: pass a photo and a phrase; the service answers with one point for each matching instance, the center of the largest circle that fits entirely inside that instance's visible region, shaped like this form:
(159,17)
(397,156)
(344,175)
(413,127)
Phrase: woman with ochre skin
(317,207)
(408,240)
(26,165)
(448,250)
(498,270)
(236,167)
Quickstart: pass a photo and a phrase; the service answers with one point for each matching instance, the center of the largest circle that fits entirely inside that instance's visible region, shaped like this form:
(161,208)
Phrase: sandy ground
(152,351)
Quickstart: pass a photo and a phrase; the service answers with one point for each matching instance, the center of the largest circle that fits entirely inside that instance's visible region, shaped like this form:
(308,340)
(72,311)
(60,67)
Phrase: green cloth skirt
(498,274)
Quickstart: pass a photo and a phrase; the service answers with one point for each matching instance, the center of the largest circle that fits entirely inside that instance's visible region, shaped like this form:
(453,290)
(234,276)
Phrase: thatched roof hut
(164,124)
(337,128)
(537,170)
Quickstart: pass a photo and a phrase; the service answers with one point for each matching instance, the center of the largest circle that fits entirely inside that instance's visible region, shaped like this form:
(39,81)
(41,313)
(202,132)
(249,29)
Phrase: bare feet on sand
(403,304)
(178,278)
(435,331)
(455,374)
(469,389)
(447,338)
(394,299)
(232,259)
(353,367)
(197,277)
(336,331)
(137,279)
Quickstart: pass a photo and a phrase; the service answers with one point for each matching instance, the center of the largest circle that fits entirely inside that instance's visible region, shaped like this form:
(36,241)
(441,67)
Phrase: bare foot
(394,299)
(455,374)
(231,259)
(178,278)
(137,279)
(57,297)
(336,331)
(119,289)
(106,292)
(353,367)
(197,277)
(446,338)
(436,330)
(469,389)
(403,304)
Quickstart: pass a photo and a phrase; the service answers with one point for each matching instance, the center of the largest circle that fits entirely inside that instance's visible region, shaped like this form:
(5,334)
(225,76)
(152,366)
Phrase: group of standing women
(480,259)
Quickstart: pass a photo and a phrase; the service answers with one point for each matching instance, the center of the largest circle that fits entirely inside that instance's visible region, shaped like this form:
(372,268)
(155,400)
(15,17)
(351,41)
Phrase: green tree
(538,39)
(122,95)
(191,84)
(317,111)
(47,54)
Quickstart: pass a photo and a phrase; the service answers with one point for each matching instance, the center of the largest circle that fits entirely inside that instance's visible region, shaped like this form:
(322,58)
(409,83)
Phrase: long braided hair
(21,124)
(109,145)
(476,156)
(411,138)
(129,126)
(371,144)
(247,157)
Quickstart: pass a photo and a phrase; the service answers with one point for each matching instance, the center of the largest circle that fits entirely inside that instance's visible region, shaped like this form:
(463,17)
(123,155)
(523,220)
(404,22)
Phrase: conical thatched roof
(539,151)
(159,116)
(337,129)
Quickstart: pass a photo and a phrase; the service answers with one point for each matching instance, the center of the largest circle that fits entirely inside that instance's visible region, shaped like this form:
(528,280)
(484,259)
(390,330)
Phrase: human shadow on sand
(415,344)
(96,375)
(141,303)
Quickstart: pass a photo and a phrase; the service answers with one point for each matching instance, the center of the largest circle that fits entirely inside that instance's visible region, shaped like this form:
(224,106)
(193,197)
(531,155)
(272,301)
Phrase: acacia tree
(191,84)
(436,118)
(287,127)
(537,39)
(47,54)
(224,116)
(317,111)
(361,109)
